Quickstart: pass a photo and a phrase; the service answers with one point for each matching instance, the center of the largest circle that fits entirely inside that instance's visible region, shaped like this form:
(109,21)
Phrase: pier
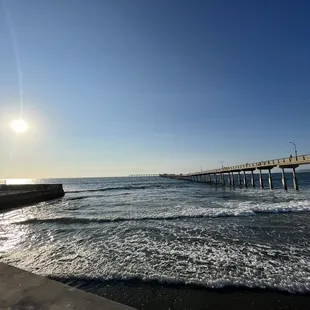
(245,172)
(144,175)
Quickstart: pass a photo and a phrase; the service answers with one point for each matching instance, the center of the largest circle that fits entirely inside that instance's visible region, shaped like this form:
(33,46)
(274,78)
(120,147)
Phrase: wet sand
(154,295)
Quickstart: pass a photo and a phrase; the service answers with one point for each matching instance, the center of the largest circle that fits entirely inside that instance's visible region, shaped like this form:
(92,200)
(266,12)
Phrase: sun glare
(19,125)
(19,181)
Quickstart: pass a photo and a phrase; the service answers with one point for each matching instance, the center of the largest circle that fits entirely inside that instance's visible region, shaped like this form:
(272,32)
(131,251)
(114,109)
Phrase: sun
(19,125)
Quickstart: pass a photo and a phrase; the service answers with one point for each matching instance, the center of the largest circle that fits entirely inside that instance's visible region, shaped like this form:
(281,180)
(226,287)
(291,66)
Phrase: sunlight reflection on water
(19,181)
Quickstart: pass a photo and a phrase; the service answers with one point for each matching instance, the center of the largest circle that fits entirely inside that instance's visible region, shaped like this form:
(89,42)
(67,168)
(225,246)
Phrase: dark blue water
(165,230)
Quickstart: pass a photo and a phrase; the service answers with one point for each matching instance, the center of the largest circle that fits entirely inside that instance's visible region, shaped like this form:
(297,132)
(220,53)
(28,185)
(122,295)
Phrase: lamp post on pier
(294,148)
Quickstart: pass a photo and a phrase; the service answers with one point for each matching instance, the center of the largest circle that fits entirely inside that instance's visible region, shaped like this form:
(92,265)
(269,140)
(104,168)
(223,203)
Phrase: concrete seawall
(13,196)
(24,290)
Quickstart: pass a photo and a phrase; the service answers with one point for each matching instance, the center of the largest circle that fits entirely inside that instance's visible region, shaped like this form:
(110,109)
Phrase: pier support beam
(284,180)
(229,178)
(223,178)
(295,180)
(252,179)
(215,178)
(261,182)
(232,179)
(244,179)
(239,178)
(270,179)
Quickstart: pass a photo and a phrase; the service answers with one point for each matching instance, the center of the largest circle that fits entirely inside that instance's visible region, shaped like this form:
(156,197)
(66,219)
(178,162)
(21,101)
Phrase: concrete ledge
(12,196)
(20,289)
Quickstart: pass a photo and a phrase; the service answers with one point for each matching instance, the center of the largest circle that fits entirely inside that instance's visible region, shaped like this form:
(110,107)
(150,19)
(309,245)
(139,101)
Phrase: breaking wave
(118,188)
(207,213)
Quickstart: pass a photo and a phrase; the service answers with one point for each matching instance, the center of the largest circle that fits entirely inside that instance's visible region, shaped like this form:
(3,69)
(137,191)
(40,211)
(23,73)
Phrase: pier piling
(229,178)
(239,178)
(223,178)
(252,179)
(295,179)
(261,182)
(270,179)
(232,179)
(244,179)
(284,180)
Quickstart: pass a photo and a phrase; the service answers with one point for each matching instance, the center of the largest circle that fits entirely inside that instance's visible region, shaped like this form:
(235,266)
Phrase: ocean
(151,241)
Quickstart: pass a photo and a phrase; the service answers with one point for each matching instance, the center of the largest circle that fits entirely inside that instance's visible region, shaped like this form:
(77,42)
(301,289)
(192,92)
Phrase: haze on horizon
(112,88)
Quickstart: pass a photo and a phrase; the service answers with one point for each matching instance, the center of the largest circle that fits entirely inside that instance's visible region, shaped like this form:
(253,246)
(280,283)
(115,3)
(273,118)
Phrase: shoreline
(157,295)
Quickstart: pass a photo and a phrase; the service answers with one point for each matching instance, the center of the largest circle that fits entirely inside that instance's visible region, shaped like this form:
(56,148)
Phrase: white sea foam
(178,212)
(195,235)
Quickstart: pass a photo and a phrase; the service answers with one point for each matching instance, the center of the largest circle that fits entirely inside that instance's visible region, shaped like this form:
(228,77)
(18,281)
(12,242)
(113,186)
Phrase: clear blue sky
(113,87)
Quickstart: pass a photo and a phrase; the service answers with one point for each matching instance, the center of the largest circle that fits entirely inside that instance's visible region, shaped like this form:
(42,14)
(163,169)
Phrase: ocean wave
(117,188)
(213,213)
(93,196)
(82,197)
